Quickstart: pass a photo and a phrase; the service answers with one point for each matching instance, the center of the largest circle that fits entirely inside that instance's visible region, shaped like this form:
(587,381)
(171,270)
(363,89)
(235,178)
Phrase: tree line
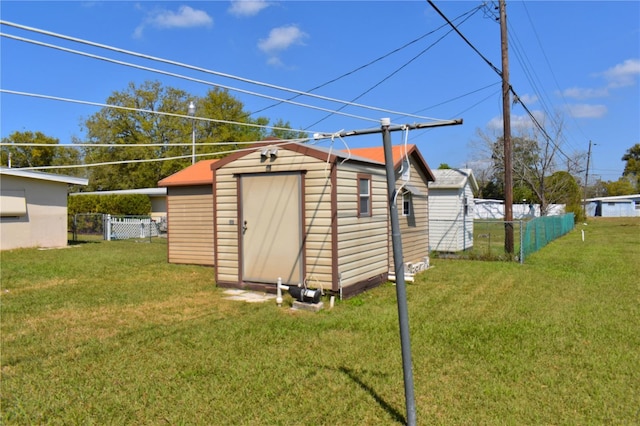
(147,125)
(123,137)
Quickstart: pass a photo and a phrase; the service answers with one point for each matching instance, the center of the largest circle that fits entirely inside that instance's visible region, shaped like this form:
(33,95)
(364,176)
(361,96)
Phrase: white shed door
(272,228)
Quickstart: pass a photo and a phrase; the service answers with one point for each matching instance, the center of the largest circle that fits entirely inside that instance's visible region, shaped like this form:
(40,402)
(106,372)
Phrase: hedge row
(120,204)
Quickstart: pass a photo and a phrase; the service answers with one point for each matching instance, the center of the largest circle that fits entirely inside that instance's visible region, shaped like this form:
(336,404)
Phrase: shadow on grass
(77,243)
(395,414)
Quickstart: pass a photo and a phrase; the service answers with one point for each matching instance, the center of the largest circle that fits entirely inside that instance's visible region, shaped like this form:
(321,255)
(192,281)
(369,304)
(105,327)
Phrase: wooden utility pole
(586,182)
(506,118)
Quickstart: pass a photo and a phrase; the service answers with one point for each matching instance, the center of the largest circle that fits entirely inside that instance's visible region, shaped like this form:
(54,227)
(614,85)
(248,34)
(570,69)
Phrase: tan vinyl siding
(358,260)
(190,221)
(317,207)
(415,228)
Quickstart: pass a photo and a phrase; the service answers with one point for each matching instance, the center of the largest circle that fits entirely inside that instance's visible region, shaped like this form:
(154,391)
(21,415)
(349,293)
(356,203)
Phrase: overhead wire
(194,68)
(169,114)
(171,74)
(499,72)
(546,58)
(298,93)
(359,68)
(397,70)
(151,160)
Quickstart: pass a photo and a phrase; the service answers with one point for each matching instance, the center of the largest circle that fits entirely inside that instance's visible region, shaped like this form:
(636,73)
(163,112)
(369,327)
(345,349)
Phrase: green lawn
(109,333)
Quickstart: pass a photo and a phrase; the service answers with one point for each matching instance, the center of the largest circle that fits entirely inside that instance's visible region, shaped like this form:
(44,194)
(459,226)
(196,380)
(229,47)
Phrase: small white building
(33,208)
(616,206)
(451,208)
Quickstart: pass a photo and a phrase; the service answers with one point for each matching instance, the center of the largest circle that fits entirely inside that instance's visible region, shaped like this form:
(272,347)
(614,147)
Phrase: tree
(564,189)
(130,163)
(535,159)
(52,154)
(632,168)
(622,186)
(444,166)
(280,131)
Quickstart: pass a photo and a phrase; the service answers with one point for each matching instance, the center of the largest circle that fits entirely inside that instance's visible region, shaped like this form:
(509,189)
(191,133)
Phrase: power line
(151,160)
(470,13)
(488,62)
(499,72)
(200,69)
(361,67)
(169,114)
(182,76)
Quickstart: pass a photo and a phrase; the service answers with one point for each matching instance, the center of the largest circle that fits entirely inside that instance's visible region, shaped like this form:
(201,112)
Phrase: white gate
(126,227)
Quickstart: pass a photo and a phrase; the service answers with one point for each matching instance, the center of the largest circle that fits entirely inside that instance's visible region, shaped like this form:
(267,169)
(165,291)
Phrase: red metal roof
(196,174)
(377,153)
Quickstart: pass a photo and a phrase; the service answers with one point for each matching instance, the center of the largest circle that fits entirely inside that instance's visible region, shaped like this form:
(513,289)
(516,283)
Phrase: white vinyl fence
(494,209)
(126,227)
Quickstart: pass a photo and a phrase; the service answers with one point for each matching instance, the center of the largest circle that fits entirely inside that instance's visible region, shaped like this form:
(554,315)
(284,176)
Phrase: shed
(311,215)
(615,206)
(451,206)
(33,208)
(301,213)
(190,214)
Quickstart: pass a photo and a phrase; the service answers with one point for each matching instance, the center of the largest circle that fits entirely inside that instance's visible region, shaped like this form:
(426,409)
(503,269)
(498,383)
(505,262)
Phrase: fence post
(106,219)
(521,244)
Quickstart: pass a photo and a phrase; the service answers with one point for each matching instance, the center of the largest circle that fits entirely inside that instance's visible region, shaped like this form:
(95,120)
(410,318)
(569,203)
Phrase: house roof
(196,174)
(201,172)
(614,198)
(325,154)
(143,191)
(453,179)
(399,152)
(51,177)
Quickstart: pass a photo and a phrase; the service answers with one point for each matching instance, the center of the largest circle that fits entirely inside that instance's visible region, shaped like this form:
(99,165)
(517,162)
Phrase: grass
(109,333)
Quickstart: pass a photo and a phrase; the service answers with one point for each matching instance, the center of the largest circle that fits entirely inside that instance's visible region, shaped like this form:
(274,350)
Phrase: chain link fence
(529,236)
(85,227)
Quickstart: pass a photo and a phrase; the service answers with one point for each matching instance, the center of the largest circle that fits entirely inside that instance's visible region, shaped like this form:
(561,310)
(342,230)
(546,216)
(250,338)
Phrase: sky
(574,65)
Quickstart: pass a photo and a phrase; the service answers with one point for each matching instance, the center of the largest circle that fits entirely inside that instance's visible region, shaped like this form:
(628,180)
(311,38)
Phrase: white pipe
(279,289)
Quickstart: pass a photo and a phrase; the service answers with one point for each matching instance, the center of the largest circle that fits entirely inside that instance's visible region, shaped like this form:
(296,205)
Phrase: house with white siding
(305,214)
(614,206)
(451,206)
(33,208)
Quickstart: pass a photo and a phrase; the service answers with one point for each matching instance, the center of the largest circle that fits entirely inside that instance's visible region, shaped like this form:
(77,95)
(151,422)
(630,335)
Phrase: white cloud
(587,110)
(243,8)
(582,93)
(185,17)
(620,75)
(519,123)
(623,74)
(281,39)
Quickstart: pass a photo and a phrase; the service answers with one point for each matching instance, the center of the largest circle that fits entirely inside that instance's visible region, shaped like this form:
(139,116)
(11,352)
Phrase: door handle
(244,227)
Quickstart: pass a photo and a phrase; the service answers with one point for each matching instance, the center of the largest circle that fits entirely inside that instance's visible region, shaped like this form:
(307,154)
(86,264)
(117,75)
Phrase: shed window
(406,204)
(364,196)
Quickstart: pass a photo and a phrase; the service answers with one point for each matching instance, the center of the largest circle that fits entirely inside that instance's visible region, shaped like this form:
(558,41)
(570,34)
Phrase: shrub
(115,204)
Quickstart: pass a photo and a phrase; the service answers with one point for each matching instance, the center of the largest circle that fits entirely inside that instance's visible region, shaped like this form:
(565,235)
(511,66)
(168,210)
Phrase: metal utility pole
(401,293)
(398,263)
(506,118)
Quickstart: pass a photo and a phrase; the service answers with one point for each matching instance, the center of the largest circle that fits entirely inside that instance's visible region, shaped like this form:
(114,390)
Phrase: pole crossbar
(375,130)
